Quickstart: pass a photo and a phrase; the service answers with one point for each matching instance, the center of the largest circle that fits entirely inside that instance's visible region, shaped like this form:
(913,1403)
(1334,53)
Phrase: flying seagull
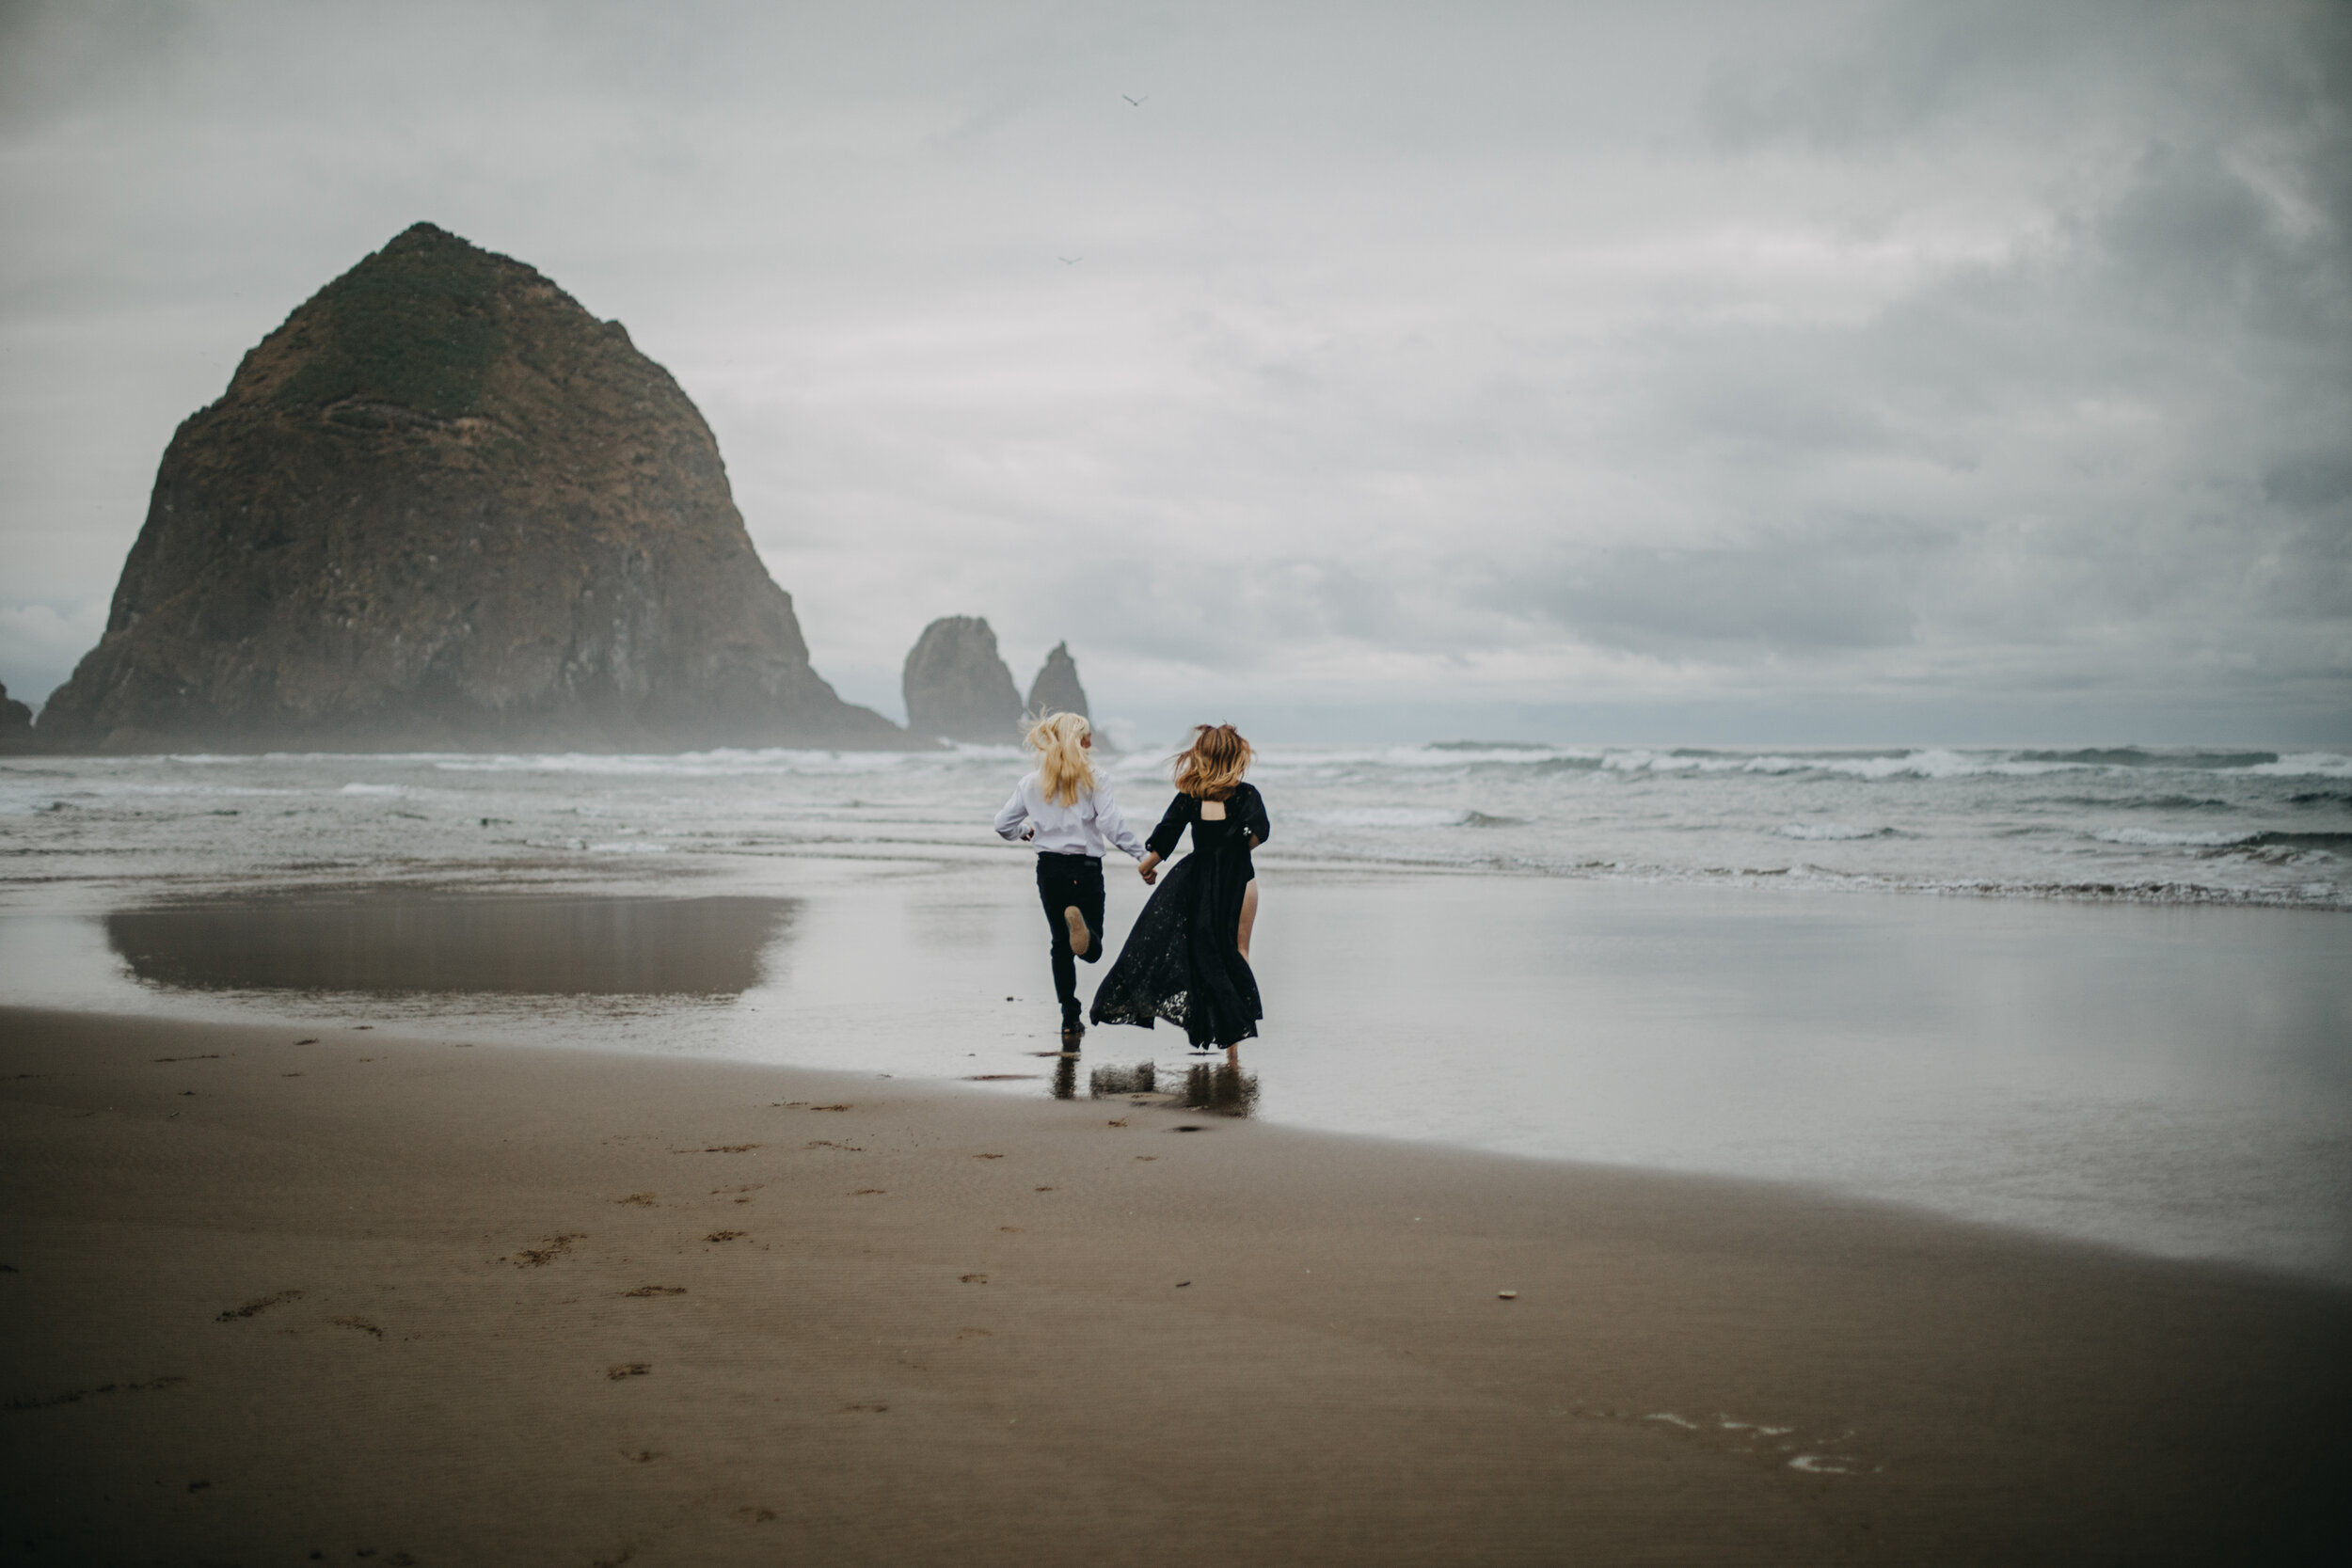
(1071,260)
(1138,102)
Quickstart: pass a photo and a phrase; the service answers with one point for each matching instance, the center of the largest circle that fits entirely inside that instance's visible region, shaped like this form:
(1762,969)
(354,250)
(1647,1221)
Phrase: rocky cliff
(16,720)
(957,686)
(443,505)
(1056,688)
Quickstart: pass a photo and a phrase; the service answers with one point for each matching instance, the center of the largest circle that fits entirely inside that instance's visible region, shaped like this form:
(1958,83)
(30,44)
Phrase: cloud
(1699,354)
(40,645)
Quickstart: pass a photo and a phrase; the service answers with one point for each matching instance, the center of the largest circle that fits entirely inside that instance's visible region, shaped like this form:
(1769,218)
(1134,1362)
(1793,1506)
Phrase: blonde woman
(1188,957)
(1067,813)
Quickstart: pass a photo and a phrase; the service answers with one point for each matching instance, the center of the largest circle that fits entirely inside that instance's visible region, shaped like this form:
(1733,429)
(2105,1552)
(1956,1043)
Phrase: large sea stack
(957,686)
(443,505)
(1056,688)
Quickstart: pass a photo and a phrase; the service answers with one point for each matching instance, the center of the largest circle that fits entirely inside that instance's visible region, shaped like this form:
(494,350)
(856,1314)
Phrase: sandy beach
(286,1294)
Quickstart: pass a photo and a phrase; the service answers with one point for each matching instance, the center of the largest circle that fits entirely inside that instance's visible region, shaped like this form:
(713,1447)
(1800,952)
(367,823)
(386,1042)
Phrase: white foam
(1829,830)
(2299,765)
(1386,816)
(371,789)
(2156,837)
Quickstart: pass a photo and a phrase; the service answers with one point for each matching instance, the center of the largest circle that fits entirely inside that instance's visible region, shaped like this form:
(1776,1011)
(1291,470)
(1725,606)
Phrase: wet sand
(276,1291)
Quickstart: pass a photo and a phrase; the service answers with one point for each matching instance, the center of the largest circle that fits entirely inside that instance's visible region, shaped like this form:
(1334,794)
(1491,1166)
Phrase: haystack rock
(957,688)
(16,720)
(1056,688)
(443,505)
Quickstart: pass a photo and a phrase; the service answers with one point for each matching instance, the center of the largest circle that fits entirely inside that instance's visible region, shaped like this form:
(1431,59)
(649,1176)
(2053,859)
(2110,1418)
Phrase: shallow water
(2173,1079)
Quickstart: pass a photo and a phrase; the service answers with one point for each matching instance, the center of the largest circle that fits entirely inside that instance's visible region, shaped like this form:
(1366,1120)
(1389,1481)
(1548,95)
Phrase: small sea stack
(16,720)
(957,686)
(443,505)
(1056,688)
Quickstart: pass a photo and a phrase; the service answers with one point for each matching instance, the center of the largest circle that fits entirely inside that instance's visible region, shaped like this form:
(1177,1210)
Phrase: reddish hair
(1214,763)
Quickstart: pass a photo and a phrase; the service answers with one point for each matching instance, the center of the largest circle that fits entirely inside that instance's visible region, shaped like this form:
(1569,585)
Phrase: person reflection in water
(1188,957)
(1066,814)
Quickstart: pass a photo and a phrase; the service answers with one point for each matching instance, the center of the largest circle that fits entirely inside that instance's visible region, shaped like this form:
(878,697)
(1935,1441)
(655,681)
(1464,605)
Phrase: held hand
(1149,869)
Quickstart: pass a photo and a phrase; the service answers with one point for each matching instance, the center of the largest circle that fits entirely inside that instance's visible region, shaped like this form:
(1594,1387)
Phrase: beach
(595,1160)
(278,1291)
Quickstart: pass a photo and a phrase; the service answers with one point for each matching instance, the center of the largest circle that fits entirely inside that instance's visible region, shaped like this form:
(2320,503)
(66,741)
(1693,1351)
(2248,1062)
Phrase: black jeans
(1061,881)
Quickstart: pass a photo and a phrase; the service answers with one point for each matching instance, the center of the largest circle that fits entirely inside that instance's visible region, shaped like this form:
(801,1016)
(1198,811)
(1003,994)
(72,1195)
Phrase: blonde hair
(1066,771)
(1214,763)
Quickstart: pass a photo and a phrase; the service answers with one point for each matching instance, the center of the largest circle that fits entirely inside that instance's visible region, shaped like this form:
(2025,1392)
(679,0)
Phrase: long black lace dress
(1182,959)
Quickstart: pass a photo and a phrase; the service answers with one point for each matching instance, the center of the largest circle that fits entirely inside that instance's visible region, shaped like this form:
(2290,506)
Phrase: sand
(277,1298)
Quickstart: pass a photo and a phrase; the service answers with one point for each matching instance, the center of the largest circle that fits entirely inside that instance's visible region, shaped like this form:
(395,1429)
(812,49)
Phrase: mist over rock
(1056,688)
(957,686)
(443,505)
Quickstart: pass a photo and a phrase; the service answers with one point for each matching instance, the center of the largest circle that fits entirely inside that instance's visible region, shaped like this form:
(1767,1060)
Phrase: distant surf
(2141,824)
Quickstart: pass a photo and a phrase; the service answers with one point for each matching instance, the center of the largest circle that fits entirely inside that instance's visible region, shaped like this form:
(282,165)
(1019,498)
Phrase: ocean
(2154,826)
(2100,994)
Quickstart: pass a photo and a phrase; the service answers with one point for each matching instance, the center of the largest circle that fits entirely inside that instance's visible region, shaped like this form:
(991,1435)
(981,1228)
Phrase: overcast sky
(1841,372)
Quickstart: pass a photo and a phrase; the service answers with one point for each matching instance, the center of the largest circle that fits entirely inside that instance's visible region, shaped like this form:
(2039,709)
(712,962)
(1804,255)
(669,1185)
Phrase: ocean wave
(1833,831)
(371,789)
(2308,895)
(2157,838)
(2252,838)
(721,763)
(1387,816)
(2302,764)
(2142,756)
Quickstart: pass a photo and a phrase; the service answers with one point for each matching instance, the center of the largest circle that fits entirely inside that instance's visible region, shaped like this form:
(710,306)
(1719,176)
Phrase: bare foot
(1080,938)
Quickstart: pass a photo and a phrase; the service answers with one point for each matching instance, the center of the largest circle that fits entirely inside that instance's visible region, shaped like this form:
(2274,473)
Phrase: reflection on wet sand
(1142,1078)
(1219,1088)
(400,942)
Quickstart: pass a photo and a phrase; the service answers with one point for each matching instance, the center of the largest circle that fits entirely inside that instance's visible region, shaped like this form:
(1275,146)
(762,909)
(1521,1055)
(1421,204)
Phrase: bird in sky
(1071,260)
(1138,102)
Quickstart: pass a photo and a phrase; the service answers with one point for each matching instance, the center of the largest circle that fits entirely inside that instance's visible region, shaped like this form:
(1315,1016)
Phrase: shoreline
(1001,1329)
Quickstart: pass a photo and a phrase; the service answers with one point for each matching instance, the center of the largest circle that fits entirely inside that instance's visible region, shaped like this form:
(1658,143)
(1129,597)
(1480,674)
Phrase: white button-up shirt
(1052,827)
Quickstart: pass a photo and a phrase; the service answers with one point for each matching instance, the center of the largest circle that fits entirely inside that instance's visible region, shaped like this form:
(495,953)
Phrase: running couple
(1188,959)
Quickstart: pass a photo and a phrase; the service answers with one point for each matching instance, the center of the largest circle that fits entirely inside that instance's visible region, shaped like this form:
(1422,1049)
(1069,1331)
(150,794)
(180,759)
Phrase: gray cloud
(1513,360)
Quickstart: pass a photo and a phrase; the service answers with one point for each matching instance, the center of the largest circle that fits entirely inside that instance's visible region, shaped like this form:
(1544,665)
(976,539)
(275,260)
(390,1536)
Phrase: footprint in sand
(620,1370)
(259,1303)
(657,1290)
(361,1323)
(545,1252)
(642,1200)
(722,1235)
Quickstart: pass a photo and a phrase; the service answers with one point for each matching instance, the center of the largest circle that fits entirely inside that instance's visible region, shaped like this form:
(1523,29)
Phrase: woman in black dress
(1187,958)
